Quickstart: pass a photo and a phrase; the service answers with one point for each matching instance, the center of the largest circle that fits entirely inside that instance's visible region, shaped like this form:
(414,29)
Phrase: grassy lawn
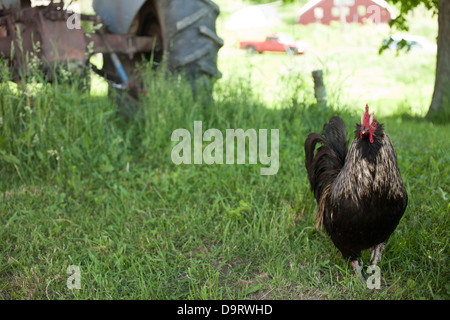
(353,69)
(82,186)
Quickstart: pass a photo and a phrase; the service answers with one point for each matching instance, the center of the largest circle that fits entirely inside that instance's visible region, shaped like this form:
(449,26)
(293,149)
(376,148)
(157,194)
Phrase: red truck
(275,42)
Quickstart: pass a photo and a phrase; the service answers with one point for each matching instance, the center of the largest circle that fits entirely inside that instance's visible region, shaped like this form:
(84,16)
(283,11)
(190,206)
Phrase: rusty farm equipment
(124,31)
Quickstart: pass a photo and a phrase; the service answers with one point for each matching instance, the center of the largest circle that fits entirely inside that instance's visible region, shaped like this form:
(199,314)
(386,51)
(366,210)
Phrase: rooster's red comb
(367,115)
(365,118)
(366,124)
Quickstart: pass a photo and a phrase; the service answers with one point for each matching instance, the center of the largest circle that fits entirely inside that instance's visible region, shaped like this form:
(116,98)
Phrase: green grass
(81,185)
(354,72)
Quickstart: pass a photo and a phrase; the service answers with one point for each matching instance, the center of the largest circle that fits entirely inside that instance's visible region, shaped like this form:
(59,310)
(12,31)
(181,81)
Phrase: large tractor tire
(185,30)
(189,36)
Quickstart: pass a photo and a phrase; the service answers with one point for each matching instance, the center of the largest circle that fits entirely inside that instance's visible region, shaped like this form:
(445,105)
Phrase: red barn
(362,11)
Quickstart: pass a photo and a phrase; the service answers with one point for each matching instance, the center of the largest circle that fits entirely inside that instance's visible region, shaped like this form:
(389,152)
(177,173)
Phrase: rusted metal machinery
(131,30)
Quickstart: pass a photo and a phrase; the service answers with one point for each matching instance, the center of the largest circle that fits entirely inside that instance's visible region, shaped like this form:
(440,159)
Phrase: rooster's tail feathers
(336,133)
(325,165)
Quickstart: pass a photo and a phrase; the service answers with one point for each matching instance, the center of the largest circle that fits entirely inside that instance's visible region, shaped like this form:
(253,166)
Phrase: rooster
(359,192)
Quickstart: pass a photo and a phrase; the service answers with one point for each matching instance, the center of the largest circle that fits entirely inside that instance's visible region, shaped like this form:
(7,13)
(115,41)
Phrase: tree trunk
(440,103)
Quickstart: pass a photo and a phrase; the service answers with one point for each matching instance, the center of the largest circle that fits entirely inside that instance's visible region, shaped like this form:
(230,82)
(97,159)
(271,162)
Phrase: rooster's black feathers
(359,191)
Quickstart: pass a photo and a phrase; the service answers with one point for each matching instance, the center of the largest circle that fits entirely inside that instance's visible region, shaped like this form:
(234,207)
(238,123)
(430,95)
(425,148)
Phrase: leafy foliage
(400,22)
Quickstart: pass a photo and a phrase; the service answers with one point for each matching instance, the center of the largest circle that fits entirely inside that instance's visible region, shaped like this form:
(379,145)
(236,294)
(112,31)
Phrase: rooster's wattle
(359,193)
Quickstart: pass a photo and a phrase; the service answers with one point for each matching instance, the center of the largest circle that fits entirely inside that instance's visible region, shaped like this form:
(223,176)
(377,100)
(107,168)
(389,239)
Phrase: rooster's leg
(357,269)
(375,256)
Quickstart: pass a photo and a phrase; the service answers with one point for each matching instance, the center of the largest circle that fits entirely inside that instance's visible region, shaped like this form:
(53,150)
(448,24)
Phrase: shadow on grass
(82,185)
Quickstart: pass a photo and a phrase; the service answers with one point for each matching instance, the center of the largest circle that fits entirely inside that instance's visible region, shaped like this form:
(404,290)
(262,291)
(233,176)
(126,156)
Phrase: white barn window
(318,13)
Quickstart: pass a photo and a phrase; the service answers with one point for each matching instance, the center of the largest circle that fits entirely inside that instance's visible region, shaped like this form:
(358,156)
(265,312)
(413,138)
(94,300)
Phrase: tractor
(125,32)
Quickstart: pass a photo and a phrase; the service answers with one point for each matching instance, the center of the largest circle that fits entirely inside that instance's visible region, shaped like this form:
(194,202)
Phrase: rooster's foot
(375,256)
(357,268)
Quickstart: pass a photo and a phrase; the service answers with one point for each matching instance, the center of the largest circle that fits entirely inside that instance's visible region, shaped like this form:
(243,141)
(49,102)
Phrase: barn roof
(384,4)
(313,3)
(307,6)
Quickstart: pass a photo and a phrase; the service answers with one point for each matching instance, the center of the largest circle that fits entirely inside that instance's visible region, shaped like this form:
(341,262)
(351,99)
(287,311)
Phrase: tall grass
(82,185)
